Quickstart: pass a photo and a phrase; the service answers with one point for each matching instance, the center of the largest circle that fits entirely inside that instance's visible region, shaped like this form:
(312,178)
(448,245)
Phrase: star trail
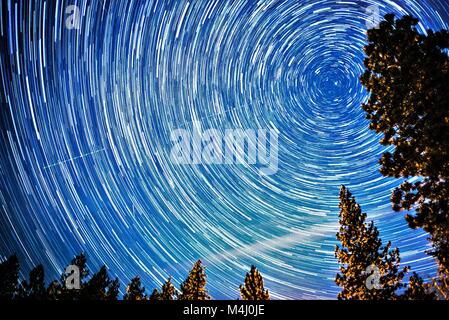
(90,91)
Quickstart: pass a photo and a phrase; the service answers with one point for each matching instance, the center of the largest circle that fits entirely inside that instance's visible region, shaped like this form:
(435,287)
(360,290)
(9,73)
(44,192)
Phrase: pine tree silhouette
(100,287)
(113,290)
(54,290)
(168,291)
(418,290)
(253,288)
(368,271)
(35,288)
(155,295)
(194,287)
(9,278)
(135,291)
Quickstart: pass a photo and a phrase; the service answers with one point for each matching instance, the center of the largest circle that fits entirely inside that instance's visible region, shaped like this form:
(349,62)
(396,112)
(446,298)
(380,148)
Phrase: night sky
(87,112)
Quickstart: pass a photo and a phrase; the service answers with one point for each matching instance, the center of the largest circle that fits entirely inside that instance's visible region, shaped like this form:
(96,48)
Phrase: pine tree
(54,290)
(35,288)
(253,288)
(194,287)
(168,291)
(155,295)
(407,76)
(100,287)
(365,265)
(113,290)
(418,290)
(135,290)
(9,278)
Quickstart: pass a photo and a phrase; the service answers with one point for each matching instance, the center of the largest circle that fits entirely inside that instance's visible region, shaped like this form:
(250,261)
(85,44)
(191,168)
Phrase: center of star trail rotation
(86,117)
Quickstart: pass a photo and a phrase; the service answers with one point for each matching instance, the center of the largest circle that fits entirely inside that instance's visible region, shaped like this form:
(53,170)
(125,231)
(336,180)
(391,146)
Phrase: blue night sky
(87,112)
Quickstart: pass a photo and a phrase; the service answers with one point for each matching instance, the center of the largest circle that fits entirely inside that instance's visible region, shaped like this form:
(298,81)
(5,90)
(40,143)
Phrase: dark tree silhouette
(135,290)
(100,287)
(113,290)
(34,289)
(9,278)
(368,271)
(54,290)
(418,290)
(407,76)
(168,291)
(194,287)
(155,295)
(253,288)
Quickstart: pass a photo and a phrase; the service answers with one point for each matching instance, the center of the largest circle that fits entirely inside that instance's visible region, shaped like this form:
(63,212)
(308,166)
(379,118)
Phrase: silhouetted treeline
(77,283)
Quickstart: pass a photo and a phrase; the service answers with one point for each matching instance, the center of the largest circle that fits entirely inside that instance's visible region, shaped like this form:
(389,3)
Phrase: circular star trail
(88,103)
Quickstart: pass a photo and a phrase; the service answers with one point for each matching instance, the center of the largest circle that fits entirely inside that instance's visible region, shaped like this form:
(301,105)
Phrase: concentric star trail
(86,116)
